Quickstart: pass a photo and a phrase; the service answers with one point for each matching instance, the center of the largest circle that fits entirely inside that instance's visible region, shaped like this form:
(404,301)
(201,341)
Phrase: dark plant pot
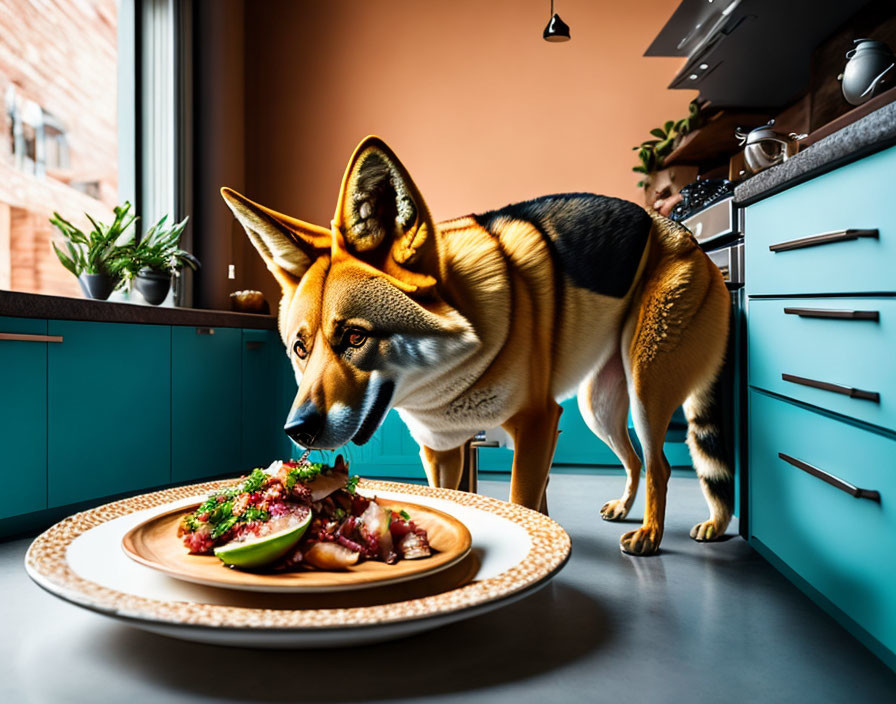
(153,285)
(98,286)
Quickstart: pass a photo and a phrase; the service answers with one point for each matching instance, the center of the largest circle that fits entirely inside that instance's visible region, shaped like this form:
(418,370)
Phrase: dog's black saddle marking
(597,241)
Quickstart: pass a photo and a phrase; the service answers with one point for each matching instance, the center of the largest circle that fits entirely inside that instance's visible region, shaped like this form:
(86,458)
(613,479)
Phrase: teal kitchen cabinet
(578,446)
(206,407)
(819,269)
(391,452)
(108,409)
(833,234)
(801,347)
(842,545)
(268,387)
(23,415)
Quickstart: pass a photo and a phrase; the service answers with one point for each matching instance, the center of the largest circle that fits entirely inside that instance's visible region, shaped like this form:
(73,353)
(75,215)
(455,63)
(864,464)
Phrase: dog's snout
(305,424)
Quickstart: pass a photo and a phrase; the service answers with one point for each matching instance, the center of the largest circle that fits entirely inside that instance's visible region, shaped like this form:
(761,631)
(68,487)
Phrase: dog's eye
(300,349)
(355,338)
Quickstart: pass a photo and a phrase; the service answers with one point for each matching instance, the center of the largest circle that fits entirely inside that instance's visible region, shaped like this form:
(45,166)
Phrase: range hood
(749,53)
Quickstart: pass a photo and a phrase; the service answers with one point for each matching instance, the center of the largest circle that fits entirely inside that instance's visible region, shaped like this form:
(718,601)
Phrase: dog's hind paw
(644,541)
(706,532)
(614,510)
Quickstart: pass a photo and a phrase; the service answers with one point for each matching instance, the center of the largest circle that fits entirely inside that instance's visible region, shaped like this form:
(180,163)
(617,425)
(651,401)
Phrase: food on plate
(297,515)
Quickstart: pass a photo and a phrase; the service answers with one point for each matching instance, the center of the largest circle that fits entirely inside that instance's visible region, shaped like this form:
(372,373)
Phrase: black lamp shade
(557,30)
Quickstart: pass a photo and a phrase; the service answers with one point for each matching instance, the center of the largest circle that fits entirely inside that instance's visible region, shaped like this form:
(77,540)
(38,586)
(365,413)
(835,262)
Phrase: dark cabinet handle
(836,388)
(836,314)
(22,337)
(824,238)
(254,344)
(205,331)
(831,479)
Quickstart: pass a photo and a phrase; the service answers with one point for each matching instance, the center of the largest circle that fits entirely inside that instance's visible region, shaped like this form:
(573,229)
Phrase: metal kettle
(763,147)
(869,68)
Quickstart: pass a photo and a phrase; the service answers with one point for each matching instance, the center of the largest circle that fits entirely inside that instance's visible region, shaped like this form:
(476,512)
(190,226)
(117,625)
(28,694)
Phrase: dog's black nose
(305,424)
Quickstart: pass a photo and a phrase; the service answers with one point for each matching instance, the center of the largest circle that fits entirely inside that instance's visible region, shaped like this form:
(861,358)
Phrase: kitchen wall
(481,109)
(219,160)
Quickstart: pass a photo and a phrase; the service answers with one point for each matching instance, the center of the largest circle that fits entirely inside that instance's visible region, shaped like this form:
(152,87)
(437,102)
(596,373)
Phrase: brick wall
(59,55)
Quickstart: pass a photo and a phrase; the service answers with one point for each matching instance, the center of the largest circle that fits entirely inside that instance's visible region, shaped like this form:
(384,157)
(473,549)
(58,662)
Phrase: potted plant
(96,257)
(152,261)
(653,152)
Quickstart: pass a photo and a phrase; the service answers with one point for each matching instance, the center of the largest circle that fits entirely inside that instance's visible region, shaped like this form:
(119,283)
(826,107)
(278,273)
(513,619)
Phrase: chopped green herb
(222,511)
(303,474)
(191,523)
(219,505)
(249,485)
(253,513)
(224,526)
(404,514)
(254,481)
(352,484)
(217,509)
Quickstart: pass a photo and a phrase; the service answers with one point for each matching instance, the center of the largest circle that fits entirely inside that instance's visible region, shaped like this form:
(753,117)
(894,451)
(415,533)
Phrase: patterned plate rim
(47,565)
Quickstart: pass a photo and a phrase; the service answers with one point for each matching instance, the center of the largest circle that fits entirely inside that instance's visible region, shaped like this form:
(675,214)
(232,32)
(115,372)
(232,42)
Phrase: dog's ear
(381,214)
(288,246)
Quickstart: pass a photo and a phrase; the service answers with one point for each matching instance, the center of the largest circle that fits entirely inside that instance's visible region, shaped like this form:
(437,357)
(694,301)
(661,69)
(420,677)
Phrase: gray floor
(697,623)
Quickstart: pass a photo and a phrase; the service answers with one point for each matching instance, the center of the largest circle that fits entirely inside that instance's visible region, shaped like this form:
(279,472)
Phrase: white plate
(80,560)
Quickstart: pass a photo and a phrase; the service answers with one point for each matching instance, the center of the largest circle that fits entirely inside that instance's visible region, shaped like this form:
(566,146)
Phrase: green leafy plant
(653,152)
(100,251)
(159,250)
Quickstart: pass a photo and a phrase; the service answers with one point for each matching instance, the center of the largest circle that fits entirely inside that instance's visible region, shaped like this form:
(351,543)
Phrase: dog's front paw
(614,510)
(707,531)
(644,541)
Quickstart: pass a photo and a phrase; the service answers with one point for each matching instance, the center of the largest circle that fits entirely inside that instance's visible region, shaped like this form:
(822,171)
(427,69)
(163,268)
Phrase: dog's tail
(712,455)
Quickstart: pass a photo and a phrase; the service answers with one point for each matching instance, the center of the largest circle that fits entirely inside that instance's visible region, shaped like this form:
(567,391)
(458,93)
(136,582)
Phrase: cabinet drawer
(853,197)
(268,387)
(206,380)
(841,545)
(108,409)
(391,452)
(798,347)
(23,415)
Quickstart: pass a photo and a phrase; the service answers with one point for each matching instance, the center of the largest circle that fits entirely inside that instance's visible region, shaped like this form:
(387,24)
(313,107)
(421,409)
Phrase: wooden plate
(154,543)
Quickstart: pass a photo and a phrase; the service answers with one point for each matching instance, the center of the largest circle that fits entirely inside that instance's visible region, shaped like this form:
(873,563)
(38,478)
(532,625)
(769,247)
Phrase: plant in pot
(97,257)
(153,260)
(653,152)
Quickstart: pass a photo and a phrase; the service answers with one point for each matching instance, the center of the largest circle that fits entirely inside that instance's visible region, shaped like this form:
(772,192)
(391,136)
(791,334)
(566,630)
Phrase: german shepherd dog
(490,319)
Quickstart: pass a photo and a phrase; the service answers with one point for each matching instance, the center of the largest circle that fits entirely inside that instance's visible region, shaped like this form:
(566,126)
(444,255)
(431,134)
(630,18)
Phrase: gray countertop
(699,623)
(872,133)
(16,304)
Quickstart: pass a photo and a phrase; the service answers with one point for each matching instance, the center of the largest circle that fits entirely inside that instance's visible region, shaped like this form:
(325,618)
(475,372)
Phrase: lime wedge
(258,551)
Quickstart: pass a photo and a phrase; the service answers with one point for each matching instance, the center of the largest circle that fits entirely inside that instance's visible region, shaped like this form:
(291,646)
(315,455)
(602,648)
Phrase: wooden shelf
(857,113)
(715,141)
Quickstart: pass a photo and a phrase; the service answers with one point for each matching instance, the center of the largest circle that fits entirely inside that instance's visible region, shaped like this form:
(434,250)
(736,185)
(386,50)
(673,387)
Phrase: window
(59,131)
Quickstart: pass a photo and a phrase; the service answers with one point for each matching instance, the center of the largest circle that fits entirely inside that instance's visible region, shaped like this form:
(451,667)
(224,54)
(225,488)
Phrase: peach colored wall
(480,109)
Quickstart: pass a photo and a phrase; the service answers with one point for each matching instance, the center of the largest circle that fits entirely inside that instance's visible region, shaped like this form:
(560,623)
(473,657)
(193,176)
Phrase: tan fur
(485,305)
(677,346)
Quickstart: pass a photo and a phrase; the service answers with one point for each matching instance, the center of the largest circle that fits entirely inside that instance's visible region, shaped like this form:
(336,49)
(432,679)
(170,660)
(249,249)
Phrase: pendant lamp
(557,30)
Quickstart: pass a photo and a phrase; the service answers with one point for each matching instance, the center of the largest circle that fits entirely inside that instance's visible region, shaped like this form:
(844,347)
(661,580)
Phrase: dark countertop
(31,305)
(872,133)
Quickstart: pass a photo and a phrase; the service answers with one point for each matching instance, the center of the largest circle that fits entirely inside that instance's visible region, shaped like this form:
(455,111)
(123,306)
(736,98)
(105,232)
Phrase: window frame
(163,125)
